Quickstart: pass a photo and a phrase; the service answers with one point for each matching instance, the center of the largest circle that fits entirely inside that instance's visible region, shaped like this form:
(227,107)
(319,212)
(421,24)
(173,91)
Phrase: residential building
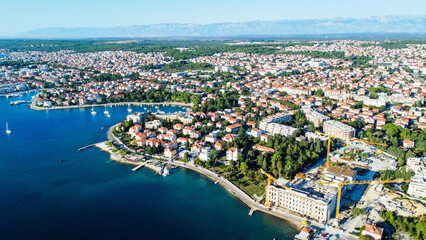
(407,143)
(417,187)
(232,154)
(233,128)
(372,231)
(154,124)
(263,149)
(338,129)
(169,152)
(316,118)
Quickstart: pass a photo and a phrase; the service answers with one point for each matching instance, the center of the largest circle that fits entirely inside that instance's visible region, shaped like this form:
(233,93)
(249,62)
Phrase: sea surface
(88,196)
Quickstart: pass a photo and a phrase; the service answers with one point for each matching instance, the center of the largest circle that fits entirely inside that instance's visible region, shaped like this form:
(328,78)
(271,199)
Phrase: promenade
(34,107)
(296,220)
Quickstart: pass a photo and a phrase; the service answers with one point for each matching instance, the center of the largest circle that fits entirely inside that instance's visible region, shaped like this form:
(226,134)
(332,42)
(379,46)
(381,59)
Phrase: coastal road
(117,141)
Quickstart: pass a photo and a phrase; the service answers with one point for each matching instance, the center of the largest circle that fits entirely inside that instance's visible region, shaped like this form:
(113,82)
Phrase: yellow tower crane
(341,184)
(327,163)
(268,187)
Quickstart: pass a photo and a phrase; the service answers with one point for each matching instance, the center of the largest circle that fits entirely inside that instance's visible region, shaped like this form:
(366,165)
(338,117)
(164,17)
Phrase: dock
(86,147)
(138,167)
(19,102)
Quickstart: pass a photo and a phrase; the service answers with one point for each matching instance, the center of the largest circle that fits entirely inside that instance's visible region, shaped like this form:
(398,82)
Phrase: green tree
(244,168)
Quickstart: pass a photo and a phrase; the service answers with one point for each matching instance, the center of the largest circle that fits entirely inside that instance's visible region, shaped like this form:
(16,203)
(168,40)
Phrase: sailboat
(129,109)
(106,111)
(7,129)
(93,111)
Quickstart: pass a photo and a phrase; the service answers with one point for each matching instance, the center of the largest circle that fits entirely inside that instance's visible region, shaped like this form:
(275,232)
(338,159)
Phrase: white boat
(108,115)
(106,111)
(165,172)
(129,109)
(144,108)
(93,112)
(7,129)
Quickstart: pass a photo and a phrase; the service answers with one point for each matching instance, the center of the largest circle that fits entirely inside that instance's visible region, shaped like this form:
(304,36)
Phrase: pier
(88,146)
(19,102)
(138,167)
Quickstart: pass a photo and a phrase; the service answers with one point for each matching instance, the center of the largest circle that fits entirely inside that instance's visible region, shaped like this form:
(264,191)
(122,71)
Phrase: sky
(18,16)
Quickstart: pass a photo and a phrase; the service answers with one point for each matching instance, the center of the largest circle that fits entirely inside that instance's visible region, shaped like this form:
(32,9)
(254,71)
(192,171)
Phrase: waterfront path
(178,104)
(246,199)
(240,194)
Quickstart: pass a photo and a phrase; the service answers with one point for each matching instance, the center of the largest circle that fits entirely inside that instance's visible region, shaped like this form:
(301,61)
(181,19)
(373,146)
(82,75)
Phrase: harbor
(157,104)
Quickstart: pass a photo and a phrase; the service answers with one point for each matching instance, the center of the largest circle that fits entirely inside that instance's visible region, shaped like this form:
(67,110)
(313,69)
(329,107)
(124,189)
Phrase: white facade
(417,186)
(232,154)
(153,124)
(338,129)
(315,205)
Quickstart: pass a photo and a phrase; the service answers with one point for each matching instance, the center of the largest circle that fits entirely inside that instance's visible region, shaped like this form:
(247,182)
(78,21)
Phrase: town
(330,133)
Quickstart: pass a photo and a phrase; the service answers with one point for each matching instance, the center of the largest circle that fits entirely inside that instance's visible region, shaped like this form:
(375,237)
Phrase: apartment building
(417,187)
(280,117)
(316,118)
(338,129)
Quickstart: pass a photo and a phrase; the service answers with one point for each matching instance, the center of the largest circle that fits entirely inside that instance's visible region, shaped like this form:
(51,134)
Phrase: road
(246,199)
(117,141)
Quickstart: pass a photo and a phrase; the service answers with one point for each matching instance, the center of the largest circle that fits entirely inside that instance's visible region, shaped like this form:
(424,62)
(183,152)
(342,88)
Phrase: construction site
(349,178)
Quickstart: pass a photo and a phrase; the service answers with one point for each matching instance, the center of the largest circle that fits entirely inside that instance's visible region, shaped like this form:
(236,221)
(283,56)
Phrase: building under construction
(305,197)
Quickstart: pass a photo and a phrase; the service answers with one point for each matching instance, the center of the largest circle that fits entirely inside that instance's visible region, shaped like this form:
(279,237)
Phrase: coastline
(178,104)
(229,186)
(242,196)
(103,147)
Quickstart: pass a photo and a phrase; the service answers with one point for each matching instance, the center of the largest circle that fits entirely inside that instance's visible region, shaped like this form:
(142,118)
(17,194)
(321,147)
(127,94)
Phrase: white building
(316,118)
(135,117)
(338,129)
(272,126)
(204,154)
(316,205)
(417,187)
(232,154)
(154,124)
(417,165)
(276,128)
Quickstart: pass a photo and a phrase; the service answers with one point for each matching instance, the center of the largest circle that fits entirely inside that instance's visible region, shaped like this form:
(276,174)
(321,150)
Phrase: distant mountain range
(385,24)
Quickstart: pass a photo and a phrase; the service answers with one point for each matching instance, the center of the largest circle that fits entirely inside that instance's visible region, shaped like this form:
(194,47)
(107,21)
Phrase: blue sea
(88,196)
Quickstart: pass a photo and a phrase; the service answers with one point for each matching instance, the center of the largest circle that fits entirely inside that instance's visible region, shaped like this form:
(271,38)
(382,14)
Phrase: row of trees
(160,95)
